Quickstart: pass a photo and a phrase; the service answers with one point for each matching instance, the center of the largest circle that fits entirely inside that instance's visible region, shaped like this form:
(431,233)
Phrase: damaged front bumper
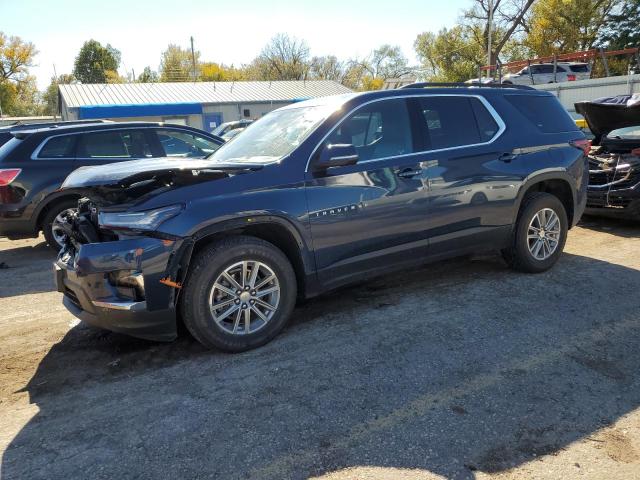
(126,286)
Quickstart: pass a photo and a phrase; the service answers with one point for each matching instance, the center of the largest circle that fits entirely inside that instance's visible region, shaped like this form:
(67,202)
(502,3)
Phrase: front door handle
(507,157)
(409,172)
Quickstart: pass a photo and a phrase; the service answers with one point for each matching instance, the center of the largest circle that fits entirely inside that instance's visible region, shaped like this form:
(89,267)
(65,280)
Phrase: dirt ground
(461,369)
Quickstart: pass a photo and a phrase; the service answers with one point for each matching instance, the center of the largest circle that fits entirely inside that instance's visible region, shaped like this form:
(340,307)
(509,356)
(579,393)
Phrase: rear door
(472,192)
(371,215)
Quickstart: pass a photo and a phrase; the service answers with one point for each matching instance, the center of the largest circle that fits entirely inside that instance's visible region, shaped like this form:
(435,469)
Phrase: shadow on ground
(21,270)
(616,226)
(452,368)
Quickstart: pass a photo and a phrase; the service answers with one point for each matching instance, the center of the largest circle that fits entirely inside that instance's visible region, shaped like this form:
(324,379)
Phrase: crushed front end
(126,284)
(614,184)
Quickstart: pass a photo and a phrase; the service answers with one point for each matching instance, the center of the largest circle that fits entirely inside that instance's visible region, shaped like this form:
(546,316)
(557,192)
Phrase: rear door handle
(409,172)
(507,157)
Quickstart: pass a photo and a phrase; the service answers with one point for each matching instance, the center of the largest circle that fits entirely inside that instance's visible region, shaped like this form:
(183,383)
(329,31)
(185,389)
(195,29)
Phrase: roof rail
(466,85)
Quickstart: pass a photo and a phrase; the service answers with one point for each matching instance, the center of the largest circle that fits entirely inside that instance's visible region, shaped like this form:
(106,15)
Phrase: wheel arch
(51,201)
(280,232)
(557,184)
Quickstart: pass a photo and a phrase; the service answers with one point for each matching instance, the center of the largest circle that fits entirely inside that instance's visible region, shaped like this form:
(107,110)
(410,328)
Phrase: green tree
(176,64)
(451,55)
(97,64)
(622,28)
(21,98)
(50,95)
(147,76)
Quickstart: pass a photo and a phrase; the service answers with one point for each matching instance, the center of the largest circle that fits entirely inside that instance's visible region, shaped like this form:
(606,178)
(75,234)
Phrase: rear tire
(539,236)
(221,290)
(49,229)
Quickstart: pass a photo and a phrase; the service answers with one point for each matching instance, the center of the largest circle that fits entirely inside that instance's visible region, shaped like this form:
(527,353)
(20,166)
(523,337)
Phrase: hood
(123,174)
(607,114)
(124,182)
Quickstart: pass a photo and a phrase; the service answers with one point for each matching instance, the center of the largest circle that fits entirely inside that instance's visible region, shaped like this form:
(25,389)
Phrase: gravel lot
(461,369)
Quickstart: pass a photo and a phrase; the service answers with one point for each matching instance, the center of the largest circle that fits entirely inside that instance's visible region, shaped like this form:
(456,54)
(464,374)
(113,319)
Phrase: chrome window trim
(36,152)
(496,117)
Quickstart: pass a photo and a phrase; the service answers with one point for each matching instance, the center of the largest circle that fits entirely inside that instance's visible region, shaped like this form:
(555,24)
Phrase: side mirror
(337,155)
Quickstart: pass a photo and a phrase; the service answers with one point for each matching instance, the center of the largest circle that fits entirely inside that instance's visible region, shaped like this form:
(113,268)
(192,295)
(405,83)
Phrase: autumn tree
(563,26)
(327,68)
(176,64)
(18,91)
(97,64)
(283,58)
(218,72)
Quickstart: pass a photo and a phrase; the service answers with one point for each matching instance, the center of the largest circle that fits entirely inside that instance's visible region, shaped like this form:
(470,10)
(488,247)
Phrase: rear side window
(118,144)
(546,113)
(456,121)
(583,68)
(58,147)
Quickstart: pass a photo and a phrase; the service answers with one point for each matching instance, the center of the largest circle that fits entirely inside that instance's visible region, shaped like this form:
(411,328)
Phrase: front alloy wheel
(543,235)
(245,297)
(239,293)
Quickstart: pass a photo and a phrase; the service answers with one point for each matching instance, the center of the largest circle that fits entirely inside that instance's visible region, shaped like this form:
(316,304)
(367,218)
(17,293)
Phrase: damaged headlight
(147,220)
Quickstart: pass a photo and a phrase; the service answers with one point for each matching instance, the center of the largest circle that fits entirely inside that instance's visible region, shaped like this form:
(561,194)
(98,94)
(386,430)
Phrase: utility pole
(489,27)
(193,59)
(55,76)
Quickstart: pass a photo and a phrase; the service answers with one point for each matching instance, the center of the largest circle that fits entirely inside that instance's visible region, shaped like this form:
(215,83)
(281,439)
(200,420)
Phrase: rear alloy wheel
(239,294)
(52,223)
(539,235)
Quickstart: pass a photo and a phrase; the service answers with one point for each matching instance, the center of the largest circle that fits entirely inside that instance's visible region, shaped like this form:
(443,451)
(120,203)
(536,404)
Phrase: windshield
(628,132)
(273,136)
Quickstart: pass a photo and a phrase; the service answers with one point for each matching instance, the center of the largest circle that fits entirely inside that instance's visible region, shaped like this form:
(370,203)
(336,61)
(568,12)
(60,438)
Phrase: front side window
(378,130)
(114,144)
(186,145)
(58,147)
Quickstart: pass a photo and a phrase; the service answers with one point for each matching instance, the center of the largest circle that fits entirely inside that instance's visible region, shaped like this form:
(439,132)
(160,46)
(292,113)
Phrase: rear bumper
(90,295)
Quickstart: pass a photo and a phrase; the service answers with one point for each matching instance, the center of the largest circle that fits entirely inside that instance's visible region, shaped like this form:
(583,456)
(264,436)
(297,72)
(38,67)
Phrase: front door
(367,216)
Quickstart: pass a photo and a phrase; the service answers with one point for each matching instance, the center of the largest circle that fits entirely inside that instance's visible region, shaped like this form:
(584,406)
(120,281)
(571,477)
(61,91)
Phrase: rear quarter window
(58,147)
(544,112)
(579,68)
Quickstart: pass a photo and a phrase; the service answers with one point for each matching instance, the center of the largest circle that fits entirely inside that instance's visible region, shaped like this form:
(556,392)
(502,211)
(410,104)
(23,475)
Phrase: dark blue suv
(316,195)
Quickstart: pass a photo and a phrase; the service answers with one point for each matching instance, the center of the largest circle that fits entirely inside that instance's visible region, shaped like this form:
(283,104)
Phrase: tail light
(8,175)
(636,152)
(583,144)
(571,78)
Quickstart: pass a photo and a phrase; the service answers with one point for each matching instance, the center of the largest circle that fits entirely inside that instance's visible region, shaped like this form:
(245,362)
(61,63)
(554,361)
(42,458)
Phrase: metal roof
(79,95)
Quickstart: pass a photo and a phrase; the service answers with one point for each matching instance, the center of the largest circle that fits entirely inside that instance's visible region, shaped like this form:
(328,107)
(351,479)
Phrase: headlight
(147,220)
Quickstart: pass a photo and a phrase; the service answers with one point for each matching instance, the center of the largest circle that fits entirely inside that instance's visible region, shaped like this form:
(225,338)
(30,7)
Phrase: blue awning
(143,110)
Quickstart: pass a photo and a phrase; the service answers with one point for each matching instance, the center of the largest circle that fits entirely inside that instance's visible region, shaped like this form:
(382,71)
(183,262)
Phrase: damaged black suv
(614,160)
(316,195)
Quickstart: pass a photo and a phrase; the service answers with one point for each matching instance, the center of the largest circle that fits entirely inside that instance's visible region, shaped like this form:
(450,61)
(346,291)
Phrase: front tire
(539,236)
(51,229)
(239,294)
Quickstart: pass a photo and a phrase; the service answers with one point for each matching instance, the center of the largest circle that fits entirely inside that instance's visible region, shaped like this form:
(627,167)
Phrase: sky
(231,31)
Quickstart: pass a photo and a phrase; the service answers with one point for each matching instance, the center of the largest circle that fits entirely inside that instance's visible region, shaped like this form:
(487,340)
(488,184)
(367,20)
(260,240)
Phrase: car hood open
(606,114)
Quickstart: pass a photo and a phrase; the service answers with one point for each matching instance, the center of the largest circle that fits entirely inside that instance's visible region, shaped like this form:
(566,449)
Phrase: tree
(563,26)
(177,64)
(97,64)
(50,96)
(283,58)
(508,19)
(20,98)
(327,68)
(622,28)
(217,72)
(451,55)
(16,57)
(147,76)
(386,62)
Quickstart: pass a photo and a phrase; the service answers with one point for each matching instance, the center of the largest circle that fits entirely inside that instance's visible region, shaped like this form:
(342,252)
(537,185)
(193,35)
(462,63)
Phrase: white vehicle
(543,73)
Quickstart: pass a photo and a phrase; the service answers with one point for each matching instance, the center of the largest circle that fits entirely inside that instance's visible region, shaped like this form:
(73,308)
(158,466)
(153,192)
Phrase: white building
(202,105)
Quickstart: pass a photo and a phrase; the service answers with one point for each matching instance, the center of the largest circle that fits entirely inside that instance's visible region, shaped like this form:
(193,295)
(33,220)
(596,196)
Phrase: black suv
(34,162)
(316,195)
